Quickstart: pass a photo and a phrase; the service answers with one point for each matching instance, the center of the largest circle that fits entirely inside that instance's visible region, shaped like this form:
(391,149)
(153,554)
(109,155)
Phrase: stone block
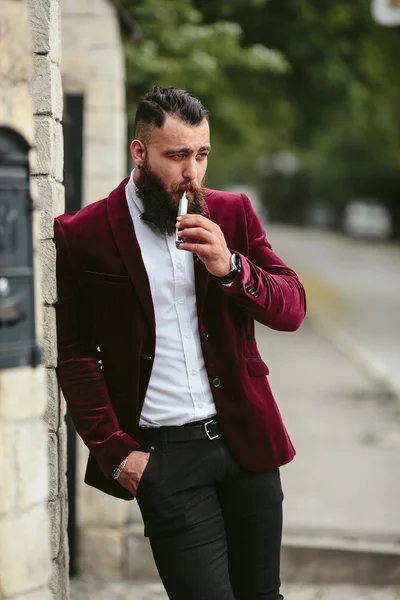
(77,8)
(82,33)
(22,394)
(37,267)
(55,520)
(40,86)
(15,41)
(55,41)
(52,413)
(5,90)
(106,125)
(138,561)
(59,584)
(49,145)
(41,13)
(31,456)
(8,480)
(42,594)
(53,466)
(50,203)
(49,337)
(62,458)
(105,158)
(58,97)
(134,516)
(107,61)
(95,188)
(25,561)
(46,87)
(21,117)
(100,510)
(47,251)
(101,553)
(105,92)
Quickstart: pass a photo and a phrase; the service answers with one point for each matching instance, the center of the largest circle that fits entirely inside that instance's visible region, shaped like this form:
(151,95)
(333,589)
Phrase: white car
(367,218)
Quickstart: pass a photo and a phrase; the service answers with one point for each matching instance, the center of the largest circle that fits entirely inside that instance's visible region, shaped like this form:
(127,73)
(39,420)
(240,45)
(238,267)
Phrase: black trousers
(215,529)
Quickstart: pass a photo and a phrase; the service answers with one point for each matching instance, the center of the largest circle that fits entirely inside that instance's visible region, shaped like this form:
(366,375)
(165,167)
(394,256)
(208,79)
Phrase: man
(159,364)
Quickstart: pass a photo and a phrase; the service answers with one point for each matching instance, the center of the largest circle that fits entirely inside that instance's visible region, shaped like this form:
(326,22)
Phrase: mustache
(189,186)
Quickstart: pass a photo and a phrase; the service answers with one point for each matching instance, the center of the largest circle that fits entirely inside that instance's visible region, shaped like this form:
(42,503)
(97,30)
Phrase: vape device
(182,210)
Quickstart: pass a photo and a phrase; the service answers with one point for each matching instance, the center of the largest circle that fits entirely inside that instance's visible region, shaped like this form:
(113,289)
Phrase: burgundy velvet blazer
(106,332)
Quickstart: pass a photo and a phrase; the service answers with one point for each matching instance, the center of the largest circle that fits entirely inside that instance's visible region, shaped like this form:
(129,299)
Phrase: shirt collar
(132,193)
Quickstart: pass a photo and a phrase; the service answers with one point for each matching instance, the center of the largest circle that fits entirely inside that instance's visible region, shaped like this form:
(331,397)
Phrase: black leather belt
(185,433)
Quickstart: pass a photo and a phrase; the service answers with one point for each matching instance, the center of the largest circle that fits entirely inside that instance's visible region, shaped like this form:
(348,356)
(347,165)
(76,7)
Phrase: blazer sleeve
(79,372)
(267,289)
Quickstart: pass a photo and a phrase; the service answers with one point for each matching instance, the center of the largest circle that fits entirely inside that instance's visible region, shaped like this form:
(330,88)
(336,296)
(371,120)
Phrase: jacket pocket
(106,277)
(256,367)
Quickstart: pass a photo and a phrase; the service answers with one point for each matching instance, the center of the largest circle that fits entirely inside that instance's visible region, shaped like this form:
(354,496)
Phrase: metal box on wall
(18,346)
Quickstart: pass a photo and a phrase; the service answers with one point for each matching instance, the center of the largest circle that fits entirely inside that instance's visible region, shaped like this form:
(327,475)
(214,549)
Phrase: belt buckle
(210,437)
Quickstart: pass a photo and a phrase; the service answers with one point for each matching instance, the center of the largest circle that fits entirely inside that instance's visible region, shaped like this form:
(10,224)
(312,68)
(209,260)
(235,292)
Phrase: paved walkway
(143,591)
(344,482)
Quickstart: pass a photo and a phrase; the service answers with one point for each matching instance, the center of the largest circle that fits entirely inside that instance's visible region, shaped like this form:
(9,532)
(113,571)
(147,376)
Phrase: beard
(160,208)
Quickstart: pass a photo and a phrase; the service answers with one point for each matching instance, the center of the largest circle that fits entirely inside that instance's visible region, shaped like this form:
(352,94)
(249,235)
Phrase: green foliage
(177,48)
(329,90)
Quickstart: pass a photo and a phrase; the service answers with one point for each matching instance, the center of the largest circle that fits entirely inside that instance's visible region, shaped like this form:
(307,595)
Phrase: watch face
(236,262)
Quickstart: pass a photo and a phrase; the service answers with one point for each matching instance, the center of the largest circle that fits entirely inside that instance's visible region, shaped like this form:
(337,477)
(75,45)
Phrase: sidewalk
(146,591)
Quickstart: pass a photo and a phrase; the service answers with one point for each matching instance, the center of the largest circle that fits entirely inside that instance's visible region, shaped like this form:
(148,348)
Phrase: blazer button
(216,382)
(256,295)
(206,335)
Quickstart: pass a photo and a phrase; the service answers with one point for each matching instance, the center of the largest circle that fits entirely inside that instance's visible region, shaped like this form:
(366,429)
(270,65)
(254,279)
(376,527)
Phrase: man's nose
(190,170)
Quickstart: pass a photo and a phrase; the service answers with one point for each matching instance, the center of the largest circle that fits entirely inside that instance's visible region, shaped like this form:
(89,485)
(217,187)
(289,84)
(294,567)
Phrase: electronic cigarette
(182,210)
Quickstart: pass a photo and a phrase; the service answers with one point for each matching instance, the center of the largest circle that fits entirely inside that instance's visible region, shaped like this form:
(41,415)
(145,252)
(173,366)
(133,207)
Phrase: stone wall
(33,552)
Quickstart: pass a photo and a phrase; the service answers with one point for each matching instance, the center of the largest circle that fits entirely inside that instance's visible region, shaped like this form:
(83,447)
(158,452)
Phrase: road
(353,284)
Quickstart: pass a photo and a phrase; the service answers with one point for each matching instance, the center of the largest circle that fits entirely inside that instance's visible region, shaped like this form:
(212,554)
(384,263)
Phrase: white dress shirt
(179,391)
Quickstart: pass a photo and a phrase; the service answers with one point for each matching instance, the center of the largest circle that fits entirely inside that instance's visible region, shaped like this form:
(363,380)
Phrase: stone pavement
(147,591)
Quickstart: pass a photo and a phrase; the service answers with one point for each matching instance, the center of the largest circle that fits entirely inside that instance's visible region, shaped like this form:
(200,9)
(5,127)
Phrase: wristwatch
(236,268)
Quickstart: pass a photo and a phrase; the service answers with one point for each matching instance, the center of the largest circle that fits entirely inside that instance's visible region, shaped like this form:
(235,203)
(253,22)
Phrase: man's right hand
(132,472)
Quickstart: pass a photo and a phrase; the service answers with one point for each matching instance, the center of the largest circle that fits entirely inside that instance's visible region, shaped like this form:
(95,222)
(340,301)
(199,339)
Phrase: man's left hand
(205,238)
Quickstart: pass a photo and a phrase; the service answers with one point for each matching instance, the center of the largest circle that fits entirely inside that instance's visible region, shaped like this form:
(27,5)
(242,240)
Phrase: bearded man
(159,365)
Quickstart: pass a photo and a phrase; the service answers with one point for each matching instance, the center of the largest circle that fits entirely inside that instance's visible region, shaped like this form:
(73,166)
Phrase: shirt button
(180,301)
(201,405)
(216,382)
(188,336)
(193,372)
(178,265)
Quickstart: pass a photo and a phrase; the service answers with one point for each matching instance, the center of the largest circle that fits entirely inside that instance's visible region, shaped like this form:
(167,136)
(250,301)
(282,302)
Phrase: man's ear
(138,151)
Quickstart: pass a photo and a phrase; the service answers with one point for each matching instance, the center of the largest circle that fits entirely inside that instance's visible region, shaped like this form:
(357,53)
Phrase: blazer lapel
(201,275)
(125,238)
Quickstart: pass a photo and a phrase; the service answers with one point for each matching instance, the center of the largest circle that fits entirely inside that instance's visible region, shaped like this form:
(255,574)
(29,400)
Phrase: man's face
(172,162)
(177,155)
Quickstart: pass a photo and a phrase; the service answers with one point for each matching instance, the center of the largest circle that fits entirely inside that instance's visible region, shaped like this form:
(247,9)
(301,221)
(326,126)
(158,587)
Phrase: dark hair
(154,107)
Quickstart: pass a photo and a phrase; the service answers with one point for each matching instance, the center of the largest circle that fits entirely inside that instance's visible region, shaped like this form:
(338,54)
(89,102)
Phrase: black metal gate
(73,181)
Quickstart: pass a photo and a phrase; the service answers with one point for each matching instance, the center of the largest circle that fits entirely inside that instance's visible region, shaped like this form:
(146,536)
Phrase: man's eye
(178,156)
(203,155)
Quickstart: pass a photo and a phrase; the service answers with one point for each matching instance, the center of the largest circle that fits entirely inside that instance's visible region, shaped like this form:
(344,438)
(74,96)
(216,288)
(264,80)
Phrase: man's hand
(205,238)
(131,474)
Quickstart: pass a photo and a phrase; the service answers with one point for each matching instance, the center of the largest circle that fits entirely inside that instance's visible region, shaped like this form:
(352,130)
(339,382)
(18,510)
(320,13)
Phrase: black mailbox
(18,345)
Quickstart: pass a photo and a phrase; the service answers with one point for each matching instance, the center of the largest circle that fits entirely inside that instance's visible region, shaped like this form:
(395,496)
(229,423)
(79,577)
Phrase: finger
(196,221)
(203,250)
(196,233)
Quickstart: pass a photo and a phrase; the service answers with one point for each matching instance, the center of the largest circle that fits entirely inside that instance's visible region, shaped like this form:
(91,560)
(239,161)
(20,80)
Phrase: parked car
(367,218)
